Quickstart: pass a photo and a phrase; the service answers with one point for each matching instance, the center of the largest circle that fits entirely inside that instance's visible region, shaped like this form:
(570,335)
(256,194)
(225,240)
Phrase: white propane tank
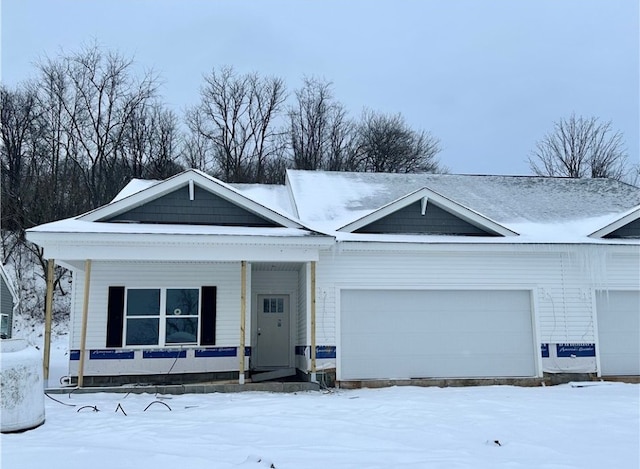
(21,386)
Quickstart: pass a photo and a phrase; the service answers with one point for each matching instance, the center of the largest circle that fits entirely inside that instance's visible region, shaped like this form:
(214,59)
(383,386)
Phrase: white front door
(273,345)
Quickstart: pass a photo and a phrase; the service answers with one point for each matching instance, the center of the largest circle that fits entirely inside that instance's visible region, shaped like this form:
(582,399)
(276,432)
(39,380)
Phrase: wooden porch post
(243,314)
(313,320)
(48,306)
(85,313)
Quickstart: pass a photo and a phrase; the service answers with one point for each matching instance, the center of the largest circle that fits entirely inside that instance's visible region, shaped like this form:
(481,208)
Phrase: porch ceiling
(275,266)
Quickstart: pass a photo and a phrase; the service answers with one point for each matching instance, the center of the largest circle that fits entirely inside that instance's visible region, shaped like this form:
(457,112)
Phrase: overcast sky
(487,77)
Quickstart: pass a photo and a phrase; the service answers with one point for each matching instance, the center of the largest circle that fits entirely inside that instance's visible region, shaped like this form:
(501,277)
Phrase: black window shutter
(115,316)
(208,316)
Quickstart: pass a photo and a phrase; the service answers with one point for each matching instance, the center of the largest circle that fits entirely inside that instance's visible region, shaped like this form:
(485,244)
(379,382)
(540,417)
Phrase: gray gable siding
(205,209)
(435,221)
(630,230)
(6,303)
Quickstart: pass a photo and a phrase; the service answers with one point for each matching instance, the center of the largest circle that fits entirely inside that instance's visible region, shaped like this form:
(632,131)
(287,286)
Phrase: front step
(271,375)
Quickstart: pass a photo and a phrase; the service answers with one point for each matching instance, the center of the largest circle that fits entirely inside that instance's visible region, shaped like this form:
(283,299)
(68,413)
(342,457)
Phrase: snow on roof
(274,196)
(134,186)
(328,202)
(73,225)
(333,199)
(540,209)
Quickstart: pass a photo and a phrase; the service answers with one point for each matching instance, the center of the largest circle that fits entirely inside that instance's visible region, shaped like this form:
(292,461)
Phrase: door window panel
(273,305)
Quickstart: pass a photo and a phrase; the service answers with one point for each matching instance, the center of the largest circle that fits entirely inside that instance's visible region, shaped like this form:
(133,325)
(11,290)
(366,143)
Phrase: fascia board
(629,217)
(174,248)
(118,239)
(175,182)
(160,253)
(491,246)
(438,199)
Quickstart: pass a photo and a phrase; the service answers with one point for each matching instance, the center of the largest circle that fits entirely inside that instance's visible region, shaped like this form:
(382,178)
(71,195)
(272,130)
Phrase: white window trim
(2,316)
(162,326)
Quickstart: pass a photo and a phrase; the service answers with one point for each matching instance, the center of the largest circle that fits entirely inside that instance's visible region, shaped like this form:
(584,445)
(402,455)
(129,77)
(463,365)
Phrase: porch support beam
(48,307)
(85,314)
(313,320)
(243,315)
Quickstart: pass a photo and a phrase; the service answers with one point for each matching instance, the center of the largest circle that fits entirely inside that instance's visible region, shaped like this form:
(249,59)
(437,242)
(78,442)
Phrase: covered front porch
(252,315)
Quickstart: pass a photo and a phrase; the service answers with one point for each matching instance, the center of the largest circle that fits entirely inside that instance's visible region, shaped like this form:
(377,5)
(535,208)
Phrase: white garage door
(388,334)
(619,332)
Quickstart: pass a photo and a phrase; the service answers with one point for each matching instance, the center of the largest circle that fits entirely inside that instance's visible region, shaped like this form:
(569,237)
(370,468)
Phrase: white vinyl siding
(224,275)
(619,332)
(399,334)
(560,277)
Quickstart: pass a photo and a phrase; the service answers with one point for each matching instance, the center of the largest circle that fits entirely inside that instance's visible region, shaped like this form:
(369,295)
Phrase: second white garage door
(619,332)
(392,334)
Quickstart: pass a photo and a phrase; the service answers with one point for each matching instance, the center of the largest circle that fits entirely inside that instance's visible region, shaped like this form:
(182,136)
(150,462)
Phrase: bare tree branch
(235,117)
(580,147)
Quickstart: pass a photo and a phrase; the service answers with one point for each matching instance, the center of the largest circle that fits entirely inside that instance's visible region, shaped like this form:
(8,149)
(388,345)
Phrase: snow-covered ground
(556,427)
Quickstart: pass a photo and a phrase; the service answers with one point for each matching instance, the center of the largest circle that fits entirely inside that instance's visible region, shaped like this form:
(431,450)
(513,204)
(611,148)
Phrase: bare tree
(150,145)
(60,177)
(99,99)
(387,144)
(195,151)
(18,113)
(633,176)
(236,118)
(320,133)
(27,172)
(580,147)
(162,161)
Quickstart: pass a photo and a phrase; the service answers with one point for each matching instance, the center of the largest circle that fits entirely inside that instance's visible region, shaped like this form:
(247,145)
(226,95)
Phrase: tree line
(89,122)
(76,134)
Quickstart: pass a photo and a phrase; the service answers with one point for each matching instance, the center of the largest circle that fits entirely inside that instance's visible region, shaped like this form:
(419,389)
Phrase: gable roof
(527,205)
(625,219)
(426,195)
(374,207)
(189,178)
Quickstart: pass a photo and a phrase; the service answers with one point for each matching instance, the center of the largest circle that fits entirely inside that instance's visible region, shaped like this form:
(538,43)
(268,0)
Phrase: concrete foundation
(199,388)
